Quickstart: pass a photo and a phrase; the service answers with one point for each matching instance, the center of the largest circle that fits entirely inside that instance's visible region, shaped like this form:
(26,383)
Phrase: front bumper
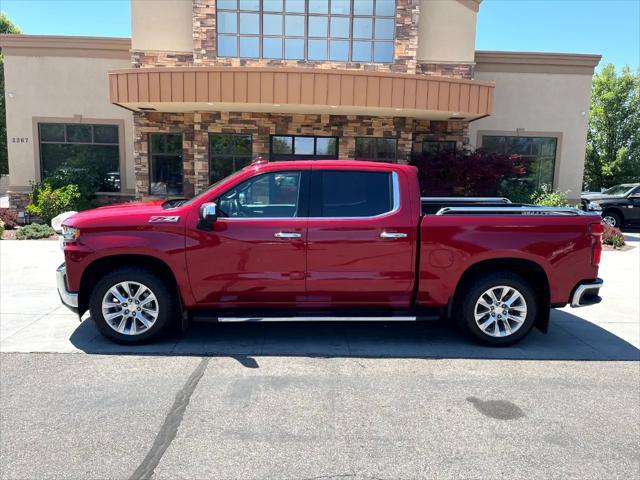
(69,299)
(587,293)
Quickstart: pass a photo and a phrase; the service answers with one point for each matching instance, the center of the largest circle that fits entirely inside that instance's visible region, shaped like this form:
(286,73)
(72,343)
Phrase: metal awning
(300,90)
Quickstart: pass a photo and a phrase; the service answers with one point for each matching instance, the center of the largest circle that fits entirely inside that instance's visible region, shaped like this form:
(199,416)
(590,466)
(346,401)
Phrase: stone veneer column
(200,154)
(204,32)
(142,59)
(456,70)
(140,154)
(18,200)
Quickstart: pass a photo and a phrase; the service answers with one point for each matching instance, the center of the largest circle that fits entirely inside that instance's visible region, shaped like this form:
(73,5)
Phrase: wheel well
(103,265)
(614,210)
(527,269)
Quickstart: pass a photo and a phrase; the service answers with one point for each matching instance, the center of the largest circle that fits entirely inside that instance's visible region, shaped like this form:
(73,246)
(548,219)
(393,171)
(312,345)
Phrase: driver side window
(270,195)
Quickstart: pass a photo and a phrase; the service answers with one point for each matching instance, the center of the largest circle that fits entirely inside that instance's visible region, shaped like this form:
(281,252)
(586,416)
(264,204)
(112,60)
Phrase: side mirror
(209,212)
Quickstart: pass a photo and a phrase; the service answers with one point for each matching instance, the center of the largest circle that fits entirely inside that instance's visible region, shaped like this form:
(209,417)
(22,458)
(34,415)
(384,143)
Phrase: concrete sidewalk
(33,320)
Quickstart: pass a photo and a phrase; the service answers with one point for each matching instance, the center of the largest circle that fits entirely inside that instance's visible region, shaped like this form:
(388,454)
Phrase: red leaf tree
(465,174)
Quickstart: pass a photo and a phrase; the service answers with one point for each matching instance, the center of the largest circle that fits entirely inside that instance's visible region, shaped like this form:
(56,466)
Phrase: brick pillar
(140,155)
(405,129)
(186,124)
(200,162)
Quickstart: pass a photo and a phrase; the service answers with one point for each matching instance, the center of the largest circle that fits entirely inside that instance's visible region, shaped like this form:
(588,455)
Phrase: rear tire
(132,306)
(497,309)
(612,218)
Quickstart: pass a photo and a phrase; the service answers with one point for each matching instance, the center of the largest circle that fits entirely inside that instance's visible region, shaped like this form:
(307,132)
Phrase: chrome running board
(402,318)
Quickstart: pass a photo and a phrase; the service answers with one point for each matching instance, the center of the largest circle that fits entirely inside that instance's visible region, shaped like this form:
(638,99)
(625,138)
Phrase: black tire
(616,218)
(166,305)
(465,313)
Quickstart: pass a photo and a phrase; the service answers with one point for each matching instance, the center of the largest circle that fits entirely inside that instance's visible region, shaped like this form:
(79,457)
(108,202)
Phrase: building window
(165,155)
(228,153)
(376,149)
(538,155)
(81,150)
(431,147)
(298,147)
(315,30)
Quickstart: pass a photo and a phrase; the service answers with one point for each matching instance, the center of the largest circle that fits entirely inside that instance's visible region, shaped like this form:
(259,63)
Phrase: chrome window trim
(527,210)
(395,186)
(466,199)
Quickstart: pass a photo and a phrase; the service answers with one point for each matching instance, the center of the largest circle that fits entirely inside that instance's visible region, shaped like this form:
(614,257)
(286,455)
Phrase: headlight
(70,234)
(593,206)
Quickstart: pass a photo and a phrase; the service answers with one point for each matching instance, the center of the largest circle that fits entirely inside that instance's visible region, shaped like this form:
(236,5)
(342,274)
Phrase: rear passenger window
(351,194)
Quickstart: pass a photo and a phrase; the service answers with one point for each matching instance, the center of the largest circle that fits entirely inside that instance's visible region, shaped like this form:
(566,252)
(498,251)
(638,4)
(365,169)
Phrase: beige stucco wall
(543,102)
(447,31)
(57,87)
(162,25)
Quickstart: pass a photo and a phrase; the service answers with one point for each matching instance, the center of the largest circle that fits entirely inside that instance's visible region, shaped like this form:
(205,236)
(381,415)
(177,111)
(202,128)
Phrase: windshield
(212,186)
(618,190)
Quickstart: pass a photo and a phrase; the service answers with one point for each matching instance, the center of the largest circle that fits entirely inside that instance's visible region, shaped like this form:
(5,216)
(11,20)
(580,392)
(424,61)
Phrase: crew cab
(620,204)
(327,241)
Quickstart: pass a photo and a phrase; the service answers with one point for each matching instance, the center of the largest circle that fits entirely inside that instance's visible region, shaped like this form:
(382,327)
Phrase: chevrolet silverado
(327,241)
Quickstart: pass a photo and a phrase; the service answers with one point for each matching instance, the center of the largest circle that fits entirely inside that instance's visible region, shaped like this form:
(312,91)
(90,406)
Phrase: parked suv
(620,205)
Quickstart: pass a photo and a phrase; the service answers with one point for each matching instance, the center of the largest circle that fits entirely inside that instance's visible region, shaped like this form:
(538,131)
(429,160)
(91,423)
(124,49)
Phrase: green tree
(5,27)
(613,139)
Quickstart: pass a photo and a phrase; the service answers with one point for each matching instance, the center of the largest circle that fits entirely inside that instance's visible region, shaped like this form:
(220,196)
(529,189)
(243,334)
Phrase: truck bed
(455,235)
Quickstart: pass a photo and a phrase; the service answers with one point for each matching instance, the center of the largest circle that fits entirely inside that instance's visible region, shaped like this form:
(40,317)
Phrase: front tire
(498,309)
(132,306)
(612,218)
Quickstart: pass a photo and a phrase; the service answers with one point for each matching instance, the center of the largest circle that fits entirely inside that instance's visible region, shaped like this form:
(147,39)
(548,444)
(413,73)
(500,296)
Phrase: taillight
(596,229)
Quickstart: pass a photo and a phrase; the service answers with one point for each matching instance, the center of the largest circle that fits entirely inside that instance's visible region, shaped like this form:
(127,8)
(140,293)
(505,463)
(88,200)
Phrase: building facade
(204,86)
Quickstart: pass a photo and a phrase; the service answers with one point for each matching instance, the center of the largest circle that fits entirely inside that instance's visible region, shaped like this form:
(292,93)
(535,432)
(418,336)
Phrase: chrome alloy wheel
(500,311)
(130,308)
(609,220)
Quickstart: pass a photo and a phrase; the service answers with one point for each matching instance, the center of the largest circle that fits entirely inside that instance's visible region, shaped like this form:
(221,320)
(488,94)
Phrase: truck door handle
(393,235)
(287,235)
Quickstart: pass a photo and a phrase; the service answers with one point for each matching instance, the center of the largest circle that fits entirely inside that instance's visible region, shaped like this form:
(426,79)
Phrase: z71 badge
(164,219)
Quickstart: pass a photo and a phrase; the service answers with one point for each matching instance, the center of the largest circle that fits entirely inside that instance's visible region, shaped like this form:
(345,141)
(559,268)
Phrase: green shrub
(87,181)
(35,231)
(1,229)
(612,236)
(550,198)
(517,190)
(48,203)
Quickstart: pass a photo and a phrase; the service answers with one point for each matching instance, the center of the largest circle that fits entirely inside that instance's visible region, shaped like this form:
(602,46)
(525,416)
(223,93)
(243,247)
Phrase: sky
(607,27)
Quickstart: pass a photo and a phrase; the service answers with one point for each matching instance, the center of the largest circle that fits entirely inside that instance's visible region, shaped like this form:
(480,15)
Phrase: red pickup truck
(326,241)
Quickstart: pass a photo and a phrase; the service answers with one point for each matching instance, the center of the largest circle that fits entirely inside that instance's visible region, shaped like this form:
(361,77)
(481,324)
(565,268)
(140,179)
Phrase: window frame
(316,192)
(151,154)
(440,143)
(375,148)
(305,37)
(291,156)
(558,136)
(233,156)
(119,123)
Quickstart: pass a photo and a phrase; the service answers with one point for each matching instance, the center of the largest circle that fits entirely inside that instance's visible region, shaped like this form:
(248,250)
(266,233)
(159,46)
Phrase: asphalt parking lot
(362,400)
